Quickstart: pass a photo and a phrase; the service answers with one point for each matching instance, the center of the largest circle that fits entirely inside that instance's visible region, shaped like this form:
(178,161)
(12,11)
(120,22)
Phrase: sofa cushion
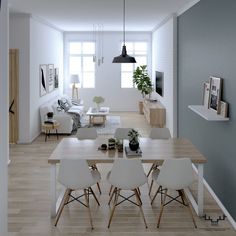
(64,104)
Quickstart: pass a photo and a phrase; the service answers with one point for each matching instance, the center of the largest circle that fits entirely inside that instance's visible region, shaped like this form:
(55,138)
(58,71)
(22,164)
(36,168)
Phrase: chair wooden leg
(87,203)
(63,202)
(162,208)
(110,190)
(150,189)
(188,206)
(140,207)
(158,190)
(113,192)
(91,190)
(68,197)
(151,168)
(114,207)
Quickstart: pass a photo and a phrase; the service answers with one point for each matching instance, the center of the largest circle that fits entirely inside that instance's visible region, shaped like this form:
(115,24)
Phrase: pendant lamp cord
(124,22)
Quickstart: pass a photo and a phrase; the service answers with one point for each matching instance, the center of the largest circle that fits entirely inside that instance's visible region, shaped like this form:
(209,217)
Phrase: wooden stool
(48,127)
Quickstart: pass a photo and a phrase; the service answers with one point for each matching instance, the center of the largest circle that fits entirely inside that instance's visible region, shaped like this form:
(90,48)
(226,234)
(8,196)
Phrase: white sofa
(64,118)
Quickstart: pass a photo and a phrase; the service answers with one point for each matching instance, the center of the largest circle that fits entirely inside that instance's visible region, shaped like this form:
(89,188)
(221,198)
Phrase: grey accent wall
(207,46)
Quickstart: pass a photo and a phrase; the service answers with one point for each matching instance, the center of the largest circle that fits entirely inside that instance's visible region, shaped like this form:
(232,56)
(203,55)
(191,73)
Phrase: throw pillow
(64,104)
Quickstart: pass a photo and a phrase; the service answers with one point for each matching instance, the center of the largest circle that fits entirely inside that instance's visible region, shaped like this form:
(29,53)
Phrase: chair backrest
(127,174)
(122,133)
(176,173)
(75,174)
(160,133)
(87,133)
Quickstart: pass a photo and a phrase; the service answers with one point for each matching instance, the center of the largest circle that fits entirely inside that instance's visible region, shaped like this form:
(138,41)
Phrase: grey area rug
(112,122)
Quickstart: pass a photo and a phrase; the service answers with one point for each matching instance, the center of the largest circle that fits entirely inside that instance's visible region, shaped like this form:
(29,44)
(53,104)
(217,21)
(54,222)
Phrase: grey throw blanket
(76,120)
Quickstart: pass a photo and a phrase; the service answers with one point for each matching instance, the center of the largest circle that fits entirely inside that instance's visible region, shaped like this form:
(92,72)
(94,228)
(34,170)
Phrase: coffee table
(95,113)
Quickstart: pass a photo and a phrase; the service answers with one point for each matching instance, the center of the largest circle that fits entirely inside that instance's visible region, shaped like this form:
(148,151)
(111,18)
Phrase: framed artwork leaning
(224,106)
(215,94)
(206,94)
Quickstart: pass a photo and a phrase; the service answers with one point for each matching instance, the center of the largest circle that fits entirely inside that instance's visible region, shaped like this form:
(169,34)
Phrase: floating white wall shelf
(207,113)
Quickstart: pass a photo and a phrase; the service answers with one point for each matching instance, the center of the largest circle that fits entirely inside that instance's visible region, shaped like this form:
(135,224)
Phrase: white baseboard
(222,207)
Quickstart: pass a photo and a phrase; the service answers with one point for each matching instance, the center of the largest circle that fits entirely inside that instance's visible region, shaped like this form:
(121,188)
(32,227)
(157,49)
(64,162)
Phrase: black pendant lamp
(124,57)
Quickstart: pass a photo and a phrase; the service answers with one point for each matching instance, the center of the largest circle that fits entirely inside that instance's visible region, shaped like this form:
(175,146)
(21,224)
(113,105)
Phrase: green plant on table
(133,136)
(98,100)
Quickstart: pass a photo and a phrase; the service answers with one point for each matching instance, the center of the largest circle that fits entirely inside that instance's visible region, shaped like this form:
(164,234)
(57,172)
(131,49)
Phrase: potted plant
(143,82)
(98,100)
(133,139)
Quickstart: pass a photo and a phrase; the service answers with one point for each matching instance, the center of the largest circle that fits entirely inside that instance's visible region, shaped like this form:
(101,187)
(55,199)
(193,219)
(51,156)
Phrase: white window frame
(82,56)
(133,54)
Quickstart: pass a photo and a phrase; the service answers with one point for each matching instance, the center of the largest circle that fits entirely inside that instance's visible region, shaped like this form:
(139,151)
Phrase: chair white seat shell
(126,174)
(74,174)
(175,174)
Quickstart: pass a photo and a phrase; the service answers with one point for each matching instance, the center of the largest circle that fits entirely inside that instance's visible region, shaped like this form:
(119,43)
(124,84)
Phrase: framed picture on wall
(50,78)
(56,78)
(206,94)
(215,94)
(42,79)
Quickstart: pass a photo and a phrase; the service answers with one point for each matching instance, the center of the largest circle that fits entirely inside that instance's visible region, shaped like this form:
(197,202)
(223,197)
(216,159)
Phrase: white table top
(103,111)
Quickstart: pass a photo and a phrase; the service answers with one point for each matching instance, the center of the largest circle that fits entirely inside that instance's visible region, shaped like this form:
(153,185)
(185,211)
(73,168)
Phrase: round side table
(48,127)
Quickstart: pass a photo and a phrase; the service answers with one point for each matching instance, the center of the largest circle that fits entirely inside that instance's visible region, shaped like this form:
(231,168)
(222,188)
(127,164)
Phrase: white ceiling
(80,15)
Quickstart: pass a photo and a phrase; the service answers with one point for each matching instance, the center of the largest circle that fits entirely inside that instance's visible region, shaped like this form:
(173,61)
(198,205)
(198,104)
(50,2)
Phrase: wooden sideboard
(155,113)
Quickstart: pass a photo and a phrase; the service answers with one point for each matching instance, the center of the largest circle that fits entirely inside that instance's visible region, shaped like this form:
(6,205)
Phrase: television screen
(159,82)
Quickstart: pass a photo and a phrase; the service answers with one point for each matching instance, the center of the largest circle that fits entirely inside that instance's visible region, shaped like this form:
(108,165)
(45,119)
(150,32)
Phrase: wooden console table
(155,113)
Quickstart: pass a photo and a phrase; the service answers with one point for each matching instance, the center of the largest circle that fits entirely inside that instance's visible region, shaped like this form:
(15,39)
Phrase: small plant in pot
(133,139)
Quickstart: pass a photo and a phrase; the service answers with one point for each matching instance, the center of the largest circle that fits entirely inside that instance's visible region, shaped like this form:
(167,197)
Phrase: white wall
(4,137)
(164,53)
(108,74)
(46,47)
(38,44)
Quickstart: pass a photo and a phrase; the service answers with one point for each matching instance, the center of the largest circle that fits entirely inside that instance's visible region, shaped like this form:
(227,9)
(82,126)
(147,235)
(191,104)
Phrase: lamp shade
(74,79)
(124,57)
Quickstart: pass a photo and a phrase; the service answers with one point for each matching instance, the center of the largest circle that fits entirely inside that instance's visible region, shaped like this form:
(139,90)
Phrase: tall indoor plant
(143,82)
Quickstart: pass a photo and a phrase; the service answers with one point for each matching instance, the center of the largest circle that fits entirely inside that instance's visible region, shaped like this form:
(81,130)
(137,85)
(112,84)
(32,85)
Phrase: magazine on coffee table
(129,152)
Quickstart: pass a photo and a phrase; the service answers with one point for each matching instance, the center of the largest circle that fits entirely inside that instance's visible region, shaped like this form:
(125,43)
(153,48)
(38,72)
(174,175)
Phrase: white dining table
(153,151)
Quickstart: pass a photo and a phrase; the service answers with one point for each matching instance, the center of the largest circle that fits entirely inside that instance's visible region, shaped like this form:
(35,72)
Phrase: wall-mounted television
(160,83)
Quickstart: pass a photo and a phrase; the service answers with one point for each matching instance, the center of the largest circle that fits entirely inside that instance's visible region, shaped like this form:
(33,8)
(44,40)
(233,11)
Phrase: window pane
(88,48)
(88,64)
(140,48)
(88,80)
(75,48)
(140,60)
(126,67)
(127,80)
(74,65)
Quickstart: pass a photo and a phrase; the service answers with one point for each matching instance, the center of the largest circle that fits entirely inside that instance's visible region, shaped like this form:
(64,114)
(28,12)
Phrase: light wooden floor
(29,201)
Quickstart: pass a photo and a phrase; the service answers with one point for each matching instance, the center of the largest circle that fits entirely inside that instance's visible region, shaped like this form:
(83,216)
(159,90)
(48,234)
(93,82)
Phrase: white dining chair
(74,174)
(122,178)
(122,133)
(157,133)
(86,133)
(175,174)
(89,133)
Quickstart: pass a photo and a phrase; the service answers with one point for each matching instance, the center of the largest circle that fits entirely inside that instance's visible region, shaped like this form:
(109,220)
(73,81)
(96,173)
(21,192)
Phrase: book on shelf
(136,153)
